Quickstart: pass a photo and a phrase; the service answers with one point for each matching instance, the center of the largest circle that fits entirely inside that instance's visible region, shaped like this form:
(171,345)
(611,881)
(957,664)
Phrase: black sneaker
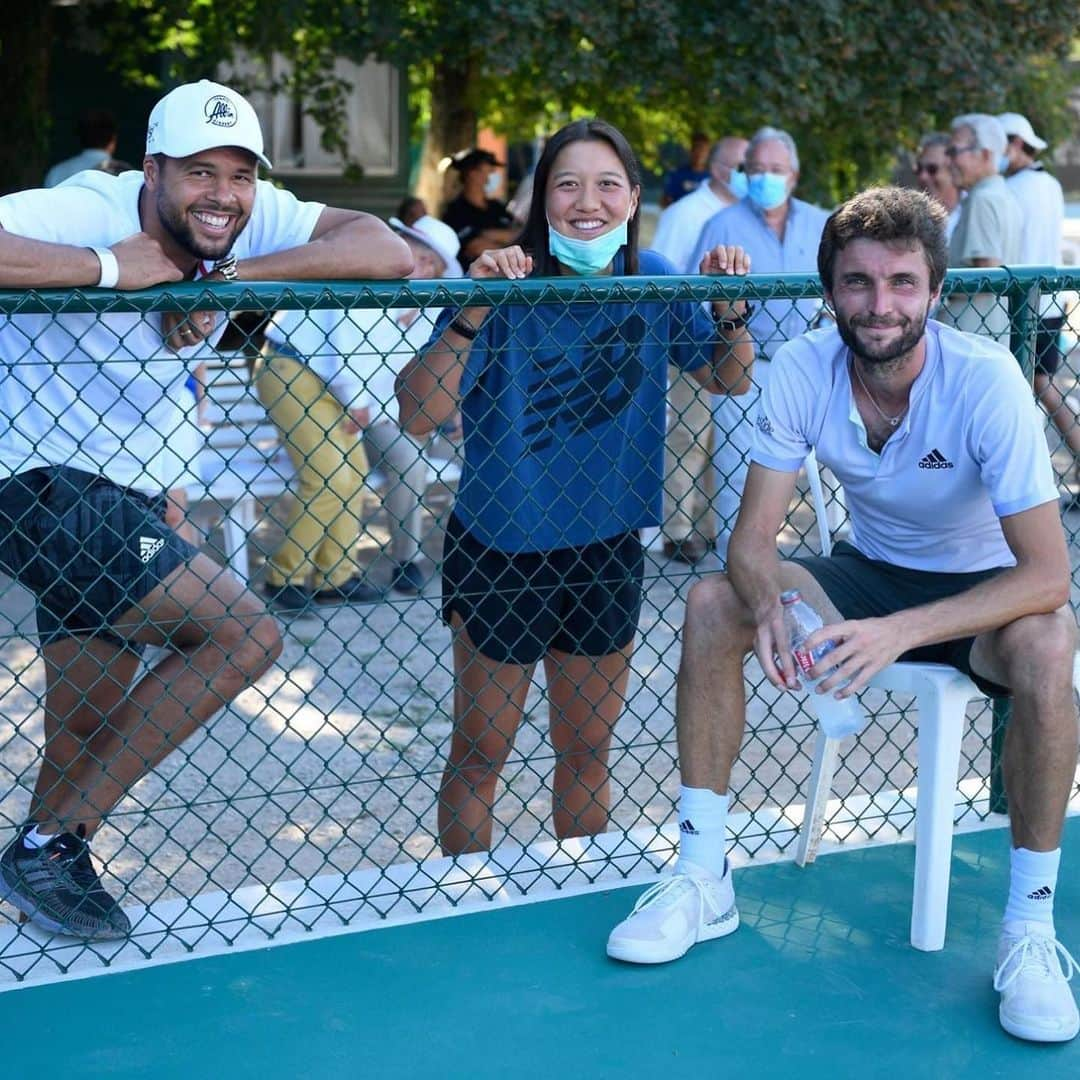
(57,887)
(408,578)
(287,597)
(354,591)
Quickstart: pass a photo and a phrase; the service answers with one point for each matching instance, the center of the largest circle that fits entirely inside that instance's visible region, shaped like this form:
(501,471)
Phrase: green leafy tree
(851,79)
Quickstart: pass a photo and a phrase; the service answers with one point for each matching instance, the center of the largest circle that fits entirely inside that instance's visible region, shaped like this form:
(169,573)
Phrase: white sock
(702,823)
(1032,885)
(35,838)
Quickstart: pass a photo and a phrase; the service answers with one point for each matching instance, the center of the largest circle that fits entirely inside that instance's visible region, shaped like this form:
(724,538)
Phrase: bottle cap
(790,596)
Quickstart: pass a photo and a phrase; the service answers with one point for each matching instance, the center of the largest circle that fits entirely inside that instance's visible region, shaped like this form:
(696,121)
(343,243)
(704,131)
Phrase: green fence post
(1023,297)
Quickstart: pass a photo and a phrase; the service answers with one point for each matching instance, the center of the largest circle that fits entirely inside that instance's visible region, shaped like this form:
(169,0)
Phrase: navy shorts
(1047,347)
(862,588)
(584,601)
(87,549)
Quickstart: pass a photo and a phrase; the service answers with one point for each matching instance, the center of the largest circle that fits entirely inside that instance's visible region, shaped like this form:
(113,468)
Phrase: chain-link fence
(249,770)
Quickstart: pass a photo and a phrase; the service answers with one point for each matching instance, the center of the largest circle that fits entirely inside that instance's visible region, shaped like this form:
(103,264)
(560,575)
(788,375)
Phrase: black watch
(226,267)
(738,321)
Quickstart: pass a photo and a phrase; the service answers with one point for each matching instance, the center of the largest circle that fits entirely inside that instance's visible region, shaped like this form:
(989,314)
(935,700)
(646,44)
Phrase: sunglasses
(931,168)
(956,151)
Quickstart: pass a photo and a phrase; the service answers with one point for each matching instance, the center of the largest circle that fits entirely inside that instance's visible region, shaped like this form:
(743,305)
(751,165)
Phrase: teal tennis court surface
(819,981)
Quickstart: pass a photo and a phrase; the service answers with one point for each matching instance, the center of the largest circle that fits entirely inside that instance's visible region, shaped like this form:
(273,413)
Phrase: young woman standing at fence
(563,409)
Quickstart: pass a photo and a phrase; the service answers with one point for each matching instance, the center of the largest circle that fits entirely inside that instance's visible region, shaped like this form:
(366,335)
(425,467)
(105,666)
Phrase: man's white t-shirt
(970,450)
(679,228)
(1042,206)
(100,393)
(357,352)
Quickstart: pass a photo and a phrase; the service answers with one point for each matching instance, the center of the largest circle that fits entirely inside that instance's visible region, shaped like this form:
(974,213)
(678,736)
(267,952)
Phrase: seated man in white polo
(956,555)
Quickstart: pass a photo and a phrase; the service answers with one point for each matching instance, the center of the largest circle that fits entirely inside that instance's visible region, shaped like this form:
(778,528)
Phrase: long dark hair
(534,237)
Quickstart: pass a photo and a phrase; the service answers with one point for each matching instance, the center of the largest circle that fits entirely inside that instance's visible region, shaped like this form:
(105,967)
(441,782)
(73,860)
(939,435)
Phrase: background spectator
(354,356)
(411,209)
(479,221)
(933,175)
(1042,210)
(681,181)
(781,235)
(988,230)
(96,129)
(688,474)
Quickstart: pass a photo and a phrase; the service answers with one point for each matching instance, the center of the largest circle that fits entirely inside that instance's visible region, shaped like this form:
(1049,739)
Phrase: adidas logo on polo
(149,546)
(935,460)
(1043,892)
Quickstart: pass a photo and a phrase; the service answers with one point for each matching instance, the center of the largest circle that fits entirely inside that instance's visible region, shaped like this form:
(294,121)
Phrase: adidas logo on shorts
(149,546)
(935,460)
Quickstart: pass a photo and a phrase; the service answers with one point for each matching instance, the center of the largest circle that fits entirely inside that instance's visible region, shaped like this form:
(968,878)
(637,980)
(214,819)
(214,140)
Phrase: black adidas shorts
(583,601)
(88,550)
(862,588)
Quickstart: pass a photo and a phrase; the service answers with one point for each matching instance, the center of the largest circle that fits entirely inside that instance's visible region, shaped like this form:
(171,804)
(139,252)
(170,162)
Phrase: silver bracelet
(110,268)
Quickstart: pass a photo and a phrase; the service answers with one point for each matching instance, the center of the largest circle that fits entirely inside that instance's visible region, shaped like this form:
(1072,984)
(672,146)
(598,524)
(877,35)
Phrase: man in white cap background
(87,407)
(327,380)
(1042,209)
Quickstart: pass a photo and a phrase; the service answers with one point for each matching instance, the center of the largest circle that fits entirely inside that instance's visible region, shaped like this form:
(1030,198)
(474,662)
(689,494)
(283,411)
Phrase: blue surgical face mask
(767,191)
(1003,163)
(587,256)
(737,184)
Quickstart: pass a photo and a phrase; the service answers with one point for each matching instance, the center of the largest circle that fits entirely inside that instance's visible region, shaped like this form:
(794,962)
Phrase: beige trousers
(688,472)
(324,520)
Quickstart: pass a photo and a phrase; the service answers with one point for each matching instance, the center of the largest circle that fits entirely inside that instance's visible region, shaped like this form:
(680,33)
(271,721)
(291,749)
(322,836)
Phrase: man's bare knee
(1039,651)
(715,615)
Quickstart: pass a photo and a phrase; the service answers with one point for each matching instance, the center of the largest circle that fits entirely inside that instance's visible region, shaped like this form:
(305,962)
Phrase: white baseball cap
(203,116)
(436,235)
(1020,126)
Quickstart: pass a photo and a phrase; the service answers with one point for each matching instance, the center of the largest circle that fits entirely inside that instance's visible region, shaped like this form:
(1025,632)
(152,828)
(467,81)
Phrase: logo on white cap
(220,111)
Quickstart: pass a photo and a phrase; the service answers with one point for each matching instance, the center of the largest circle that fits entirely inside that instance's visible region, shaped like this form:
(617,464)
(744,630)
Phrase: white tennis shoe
(1036,1002)
(677,912)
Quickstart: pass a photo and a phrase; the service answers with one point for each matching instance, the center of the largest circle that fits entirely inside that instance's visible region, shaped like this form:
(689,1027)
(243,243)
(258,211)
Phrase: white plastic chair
(942,694)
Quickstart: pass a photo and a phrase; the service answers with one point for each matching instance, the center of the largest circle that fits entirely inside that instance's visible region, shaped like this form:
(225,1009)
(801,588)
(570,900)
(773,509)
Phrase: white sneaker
(691,905)
(1036,1002)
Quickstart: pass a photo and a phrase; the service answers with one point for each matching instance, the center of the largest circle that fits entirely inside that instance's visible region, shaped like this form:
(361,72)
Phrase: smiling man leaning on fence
(87,402)
(956,555)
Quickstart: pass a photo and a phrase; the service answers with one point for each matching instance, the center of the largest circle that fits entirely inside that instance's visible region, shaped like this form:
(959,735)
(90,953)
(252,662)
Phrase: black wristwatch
(736,323)
(226,267)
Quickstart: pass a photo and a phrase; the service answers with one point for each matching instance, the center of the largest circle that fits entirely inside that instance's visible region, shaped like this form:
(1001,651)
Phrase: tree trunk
(25,38)
(453,128)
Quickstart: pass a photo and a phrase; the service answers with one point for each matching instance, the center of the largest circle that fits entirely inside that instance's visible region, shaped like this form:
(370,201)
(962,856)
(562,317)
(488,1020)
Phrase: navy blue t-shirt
(564,412)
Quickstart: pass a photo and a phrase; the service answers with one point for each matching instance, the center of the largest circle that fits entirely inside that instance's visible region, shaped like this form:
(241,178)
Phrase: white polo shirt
(970,450)
(101,394)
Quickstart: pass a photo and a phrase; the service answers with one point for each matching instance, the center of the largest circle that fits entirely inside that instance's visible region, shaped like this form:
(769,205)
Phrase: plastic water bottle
(837,716)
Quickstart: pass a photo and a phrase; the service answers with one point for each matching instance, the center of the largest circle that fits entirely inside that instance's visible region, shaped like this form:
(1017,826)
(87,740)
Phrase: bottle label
(804,659)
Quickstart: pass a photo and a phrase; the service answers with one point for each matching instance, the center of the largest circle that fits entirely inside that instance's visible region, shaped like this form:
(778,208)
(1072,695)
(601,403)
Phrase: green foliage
(852,80)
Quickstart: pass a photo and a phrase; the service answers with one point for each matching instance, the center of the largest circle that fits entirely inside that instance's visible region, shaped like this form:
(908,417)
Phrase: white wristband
(110,268)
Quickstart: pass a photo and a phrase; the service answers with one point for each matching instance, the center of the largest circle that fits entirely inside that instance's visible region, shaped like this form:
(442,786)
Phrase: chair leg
(941,731)
(817,799)
(237,526)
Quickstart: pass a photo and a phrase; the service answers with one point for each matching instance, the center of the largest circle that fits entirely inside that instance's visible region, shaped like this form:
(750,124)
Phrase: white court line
(257,916)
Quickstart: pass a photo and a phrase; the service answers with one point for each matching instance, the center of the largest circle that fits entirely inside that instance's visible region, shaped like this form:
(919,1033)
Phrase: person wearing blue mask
(563,414)
(781,235)
(688,470)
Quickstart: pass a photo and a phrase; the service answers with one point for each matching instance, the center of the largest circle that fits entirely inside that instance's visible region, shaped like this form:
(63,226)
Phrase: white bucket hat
(438,236)
(1020,126)
(203,116)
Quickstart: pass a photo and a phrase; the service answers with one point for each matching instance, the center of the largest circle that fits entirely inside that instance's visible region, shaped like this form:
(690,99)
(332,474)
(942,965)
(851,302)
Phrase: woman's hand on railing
(510,262)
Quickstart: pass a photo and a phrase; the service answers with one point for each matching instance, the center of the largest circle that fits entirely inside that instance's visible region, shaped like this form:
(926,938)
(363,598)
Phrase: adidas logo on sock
(149,546)
(935,460)
(687,827)
(1043,892)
